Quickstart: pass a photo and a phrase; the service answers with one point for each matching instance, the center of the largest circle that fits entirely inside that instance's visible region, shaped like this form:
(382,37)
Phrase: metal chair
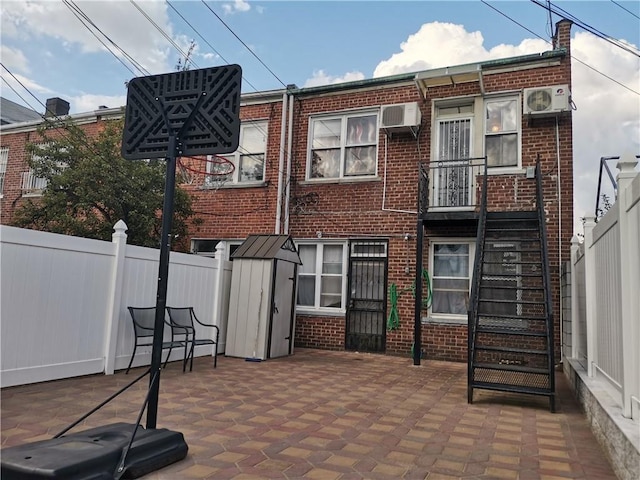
(144,319)
(185,317)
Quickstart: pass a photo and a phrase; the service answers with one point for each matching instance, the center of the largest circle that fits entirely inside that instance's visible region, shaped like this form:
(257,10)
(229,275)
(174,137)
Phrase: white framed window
(322,277)
(343,146)
(451,272)
(502,132)
(207,247)
(4,157)
(249,158)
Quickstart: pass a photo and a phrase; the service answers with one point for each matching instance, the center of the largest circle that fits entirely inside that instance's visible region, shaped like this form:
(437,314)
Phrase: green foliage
(90,187)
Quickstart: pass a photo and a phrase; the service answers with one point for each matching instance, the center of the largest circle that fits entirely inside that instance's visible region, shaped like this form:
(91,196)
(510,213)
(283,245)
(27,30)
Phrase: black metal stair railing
(474,297)
(510,319)
(546,280)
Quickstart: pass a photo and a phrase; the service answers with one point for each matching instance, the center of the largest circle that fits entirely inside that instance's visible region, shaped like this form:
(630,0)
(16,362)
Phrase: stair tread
(494,348)
(510,331)
(509,287)
(499,316)
(508,301)
(512,388)
(501,274)
(511,368)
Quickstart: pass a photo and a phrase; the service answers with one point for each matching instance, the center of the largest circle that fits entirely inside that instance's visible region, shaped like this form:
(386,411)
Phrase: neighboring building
(338,168)
(11,112)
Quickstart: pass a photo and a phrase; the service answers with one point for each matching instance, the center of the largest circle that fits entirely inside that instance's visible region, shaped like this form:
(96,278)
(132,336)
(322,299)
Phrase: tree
(90,187)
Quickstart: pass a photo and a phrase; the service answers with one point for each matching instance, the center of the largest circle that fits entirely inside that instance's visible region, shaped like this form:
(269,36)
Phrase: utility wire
(572,55)
(83,17)
(625,9)
(242,42)
(163,33)
(608,38)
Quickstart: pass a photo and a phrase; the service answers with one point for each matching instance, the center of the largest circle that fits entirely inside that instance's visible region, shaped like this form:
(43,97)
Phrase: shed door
(281,336)
(366,326)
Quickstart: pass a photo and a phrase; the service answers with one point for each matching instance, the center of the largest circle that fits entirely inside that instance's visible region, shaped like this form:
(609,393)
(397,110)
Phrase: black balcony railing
(451,184)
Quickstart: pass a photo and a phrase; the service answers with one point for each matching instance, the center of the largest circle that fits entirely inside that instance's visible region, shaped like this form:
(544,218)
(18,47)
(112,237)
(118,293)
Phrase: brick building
(374,177)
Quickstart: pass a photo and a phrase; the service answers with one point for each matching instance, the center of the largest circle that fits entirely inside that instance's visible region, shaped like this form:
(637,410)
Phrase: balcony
(450,189)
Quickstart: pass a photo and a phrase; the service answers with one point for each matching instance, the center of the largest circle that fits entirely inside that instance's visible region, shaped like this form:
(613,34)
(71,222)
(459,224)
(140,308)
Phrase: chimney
(56,107)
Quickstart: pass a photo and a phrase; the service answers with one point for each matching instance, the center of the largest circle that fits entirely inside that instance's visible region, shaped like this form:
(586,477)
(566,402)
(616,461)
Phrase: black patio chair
(144,319)
(185,317)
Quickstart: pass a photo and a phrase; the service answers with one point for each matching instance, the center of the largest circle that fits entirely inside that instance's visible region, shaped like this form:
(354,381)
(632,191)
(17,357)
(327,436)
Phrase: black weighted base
(94,454)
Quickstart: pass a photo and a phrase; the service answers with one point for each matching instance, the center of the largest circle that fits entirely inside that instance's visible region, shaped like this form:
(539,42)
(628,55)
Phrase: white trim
(316,309)
(504,97)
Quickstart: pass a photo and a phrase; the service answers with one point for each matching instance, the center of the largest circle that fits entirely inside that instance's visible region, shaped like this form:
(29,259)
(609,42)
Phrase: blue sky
(311,43)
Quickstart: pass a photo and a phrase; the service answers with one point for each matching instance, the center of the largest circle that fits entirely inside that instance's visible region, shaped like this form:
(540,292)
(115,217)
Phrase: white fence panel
(63,312)
(53,305)
(605,299)
(608,318)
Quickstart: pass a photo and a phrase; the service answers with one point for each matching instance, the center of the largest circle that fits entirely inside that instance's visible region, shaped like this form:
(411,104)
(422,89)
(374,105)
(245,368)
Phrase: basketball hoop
(213,169)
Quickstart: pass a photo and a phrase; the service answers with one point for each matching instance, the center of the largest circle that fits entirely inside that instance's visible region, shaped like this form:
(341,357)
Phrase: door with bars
(366,306)
(452,179)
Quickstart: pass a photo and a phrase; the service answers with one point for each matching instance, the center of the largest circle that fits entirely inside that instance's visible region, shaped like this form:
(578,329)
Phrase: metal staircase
(510,315)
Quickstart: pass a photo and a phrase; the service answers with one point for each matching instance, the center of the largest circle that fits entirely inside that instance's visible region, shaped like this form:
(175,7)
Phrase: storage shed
(262,299)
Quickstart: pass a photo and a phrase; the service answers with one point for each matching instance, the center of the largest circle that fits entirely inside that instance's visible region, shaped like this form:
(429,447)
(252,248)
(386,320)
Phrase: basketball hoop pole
(163,274)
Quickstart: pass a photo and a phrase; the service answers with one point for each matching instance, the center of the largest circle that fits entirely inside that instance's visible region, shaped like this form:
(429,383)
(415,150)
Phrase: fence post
(575,308)
(630,282)
(220,255)
(590,292)
(119,239)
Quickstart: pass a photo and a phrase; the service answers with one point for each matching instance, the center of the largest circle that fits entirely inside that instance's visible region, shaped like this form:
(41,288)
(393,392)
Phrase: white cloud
(89,102)
(320,77)
(439,44)
(236,6)
(14,59)
(120,21)
(21,80)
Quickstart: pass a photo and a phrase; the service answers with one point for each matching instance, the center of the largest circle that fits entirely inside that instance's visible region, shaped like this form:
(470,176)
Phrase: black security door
(365,329)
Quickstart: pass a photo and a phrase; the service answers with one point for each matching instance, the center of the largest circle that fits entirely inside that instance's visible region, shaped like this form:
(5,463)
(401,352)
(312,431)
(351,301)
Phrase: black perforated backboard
(200,107)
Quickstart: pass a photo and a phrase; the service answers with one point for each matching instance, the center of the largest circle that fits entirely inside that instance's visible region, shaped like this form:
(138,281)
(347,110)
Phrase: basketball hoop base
(94,454)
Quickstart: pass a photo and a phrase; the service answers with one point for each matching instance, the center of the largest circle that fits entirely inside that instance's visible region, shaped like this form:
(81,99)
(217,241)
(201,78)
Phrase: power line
(572,55)
(80,15)
(607,38)
(625,9)
(162,32)
(242,42)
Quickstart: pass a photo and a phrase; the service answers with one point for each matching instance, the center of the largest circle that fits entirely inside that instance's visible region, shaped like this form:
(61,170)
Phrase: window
(451,265)
(4,156)
(321,277)
(343,146)
(207,247)
(501,132)
(249,158)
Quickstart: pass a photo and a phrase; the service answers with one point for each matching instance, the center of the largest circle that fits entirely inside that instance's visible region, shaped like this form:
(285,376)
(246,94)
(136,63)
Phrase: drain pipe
(289,162)
(283,125)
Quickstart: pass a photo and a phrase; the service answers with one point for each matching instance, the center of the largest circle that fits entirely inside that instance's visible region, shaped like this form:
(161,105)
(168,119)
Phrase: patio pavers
(328,415)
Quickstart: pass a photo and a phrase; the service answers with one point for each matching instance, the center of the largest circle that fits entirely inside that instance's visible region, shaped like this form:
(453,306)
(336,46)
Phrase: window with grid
(249,158)
(343,146)
(321,277)
(502,132)
(451,266)
(4,156)
(30,183)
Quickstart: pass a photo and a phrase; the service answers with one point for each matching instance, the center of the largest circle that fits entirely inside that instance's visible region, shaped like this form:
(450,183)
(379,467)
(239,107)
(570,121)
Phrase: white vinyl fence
(63,301)
(606,295)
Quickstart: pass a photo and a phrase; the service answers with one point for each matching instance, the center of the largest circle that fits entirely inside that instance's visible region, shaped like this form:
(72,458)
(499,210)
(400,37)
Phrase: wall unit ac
(401,117)
(540,101)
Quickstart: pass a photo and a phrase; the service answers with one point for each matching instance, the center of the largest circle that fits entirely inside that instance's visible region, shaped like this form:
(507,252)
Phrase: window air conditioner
(546,100)
(401,116)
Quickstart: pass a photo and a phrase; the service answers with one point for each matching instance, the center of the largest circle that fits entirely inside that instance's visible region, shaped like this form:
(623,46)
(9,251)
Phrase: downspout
(289,162)
(283,125)
(558,188)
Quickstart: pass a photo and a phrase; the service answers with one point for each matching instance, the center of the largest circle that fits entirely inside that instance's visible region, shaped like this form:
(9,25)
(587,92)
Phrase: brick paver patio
(328,416)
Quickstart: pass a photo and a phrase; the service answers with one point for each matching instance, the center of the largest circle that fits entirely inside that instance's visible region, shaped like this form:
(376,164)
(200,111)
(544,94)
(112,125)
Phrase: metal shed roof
(268,247)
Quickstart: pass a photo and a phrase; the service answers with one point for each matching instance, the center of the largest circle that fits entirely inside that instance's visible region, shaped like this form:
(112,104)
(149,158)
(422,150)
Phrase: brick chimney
(562,38)
(56,107)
